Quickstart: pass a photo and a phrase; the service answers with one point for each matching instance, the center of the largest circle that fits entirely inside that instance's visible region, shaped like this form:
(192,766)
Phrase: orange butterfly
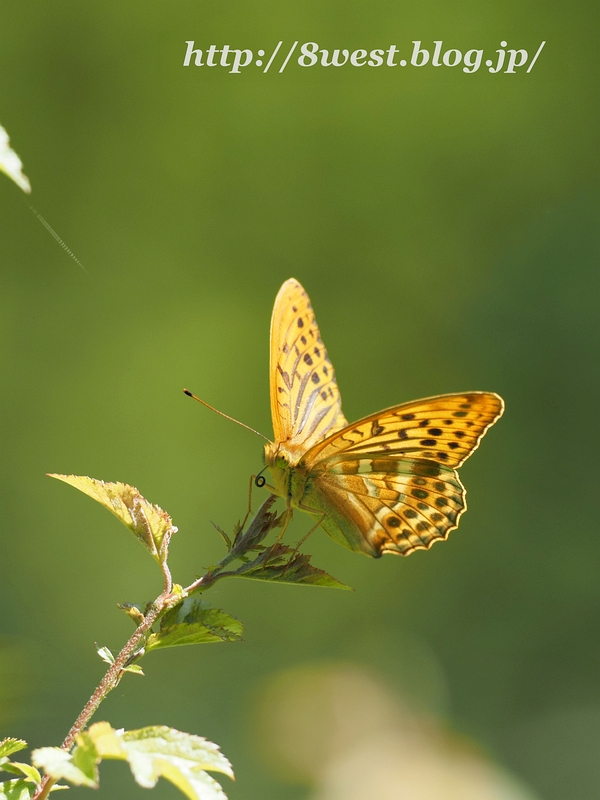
(384,484)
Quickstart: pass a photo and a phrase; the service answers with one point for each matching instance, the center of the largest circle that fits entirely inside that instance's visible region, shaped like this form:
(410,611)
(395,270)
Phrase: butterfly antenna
(216,410)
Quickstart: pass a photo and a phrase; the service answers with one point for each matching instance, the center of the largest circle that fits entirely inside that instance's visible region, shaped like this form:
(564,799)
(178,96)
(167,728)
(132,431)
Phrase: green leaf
(16,790)
(79,767)
(224,536)
(149,523)
(281,564)
(193,621)
(105,654)
(262,524)
(160,751)
(10,746)
(17,768)
(137,670)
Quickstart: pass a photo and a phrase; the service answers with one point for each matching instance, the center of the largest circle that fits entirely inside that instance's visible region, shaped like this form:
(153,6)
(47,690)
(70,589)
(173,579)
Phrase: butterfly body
(289,480)
(387,483)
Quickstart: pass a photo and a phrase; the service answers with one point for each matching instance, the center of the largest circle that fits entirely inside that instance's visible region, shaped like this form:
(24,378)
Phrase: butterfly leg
(306,535)
(253,482)
(288,516)
(249,511)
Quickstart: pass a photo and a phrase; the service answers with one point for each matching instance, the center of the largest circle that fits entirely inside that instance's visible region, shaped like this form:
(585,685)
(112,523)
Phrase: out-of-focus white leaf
(11,164)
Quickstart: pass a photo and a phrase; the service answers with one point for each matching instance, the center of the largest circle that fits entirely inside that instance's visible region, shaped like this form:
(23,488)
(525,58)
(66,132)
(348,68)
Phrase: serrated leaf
(9,746)
(281,564)
(79,767)
(193,621)
(16,790)
(224,536)
(11,164)
(149,523)
(18,768)
(159,751)
(264,522)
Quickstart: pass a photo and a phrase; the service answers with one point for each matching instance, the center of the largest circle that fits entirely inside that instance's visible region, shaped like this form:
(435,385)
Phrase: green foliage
(106,655)
(281,564)
(20,769)
(29,777)
(194,621)
(79,767)
(263,523)
(149,523)
(10,746)
(152,752)
(182,618)
(16,790)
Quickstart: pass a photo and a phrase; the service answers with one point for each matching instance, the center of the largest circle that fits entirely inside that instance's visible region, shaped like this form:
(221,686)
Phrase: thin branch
(110,680)
(260,526)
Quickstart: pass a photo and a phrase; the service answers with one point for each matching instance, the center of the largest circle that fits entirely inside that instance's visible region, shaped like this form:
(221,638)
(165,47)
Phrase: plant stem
(110,680)
(258,528)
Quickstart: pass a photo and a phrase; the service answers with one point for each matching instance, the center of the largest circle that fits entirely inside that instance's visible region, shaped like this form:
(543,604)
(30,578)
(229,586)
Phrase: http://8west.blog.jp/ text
(505,60)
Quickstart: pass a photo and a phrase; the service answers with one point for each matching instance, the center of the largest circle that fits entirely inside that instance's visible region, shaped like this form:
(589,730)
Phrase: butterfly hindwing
(387,483)
(388,504)
(305,400)
(445,429)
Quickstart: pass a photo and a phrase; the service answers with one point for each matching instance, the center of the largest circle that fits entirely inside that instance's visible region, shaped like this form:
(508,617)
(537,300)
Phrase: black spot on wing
(426,468)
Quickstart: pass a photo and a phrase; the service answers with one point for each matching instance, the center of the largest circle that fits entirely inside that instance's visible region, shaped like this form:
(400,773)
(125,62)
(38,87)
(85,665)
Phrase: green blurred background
(446,228)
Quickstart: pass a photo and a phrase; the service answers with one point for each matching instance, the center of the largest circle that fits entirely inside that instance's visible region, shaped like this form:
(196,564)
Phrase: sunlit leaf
(149,523)
(20,769)
(16,790)
(281,564)
(10,746)
(159,751)
(79,767)
(11,164)
(193,621)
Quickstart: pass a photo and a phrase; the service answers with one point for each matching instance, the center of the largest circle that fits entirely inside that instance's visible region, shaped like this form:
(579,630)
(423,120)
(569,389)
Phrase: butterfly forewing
(445,429)
(396,505)
(305,400)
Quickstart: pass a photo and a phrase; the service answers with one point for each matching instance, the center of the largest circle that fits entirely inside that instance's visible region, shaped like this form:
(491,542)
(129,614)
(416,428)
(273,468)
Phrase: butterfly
(385,484)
